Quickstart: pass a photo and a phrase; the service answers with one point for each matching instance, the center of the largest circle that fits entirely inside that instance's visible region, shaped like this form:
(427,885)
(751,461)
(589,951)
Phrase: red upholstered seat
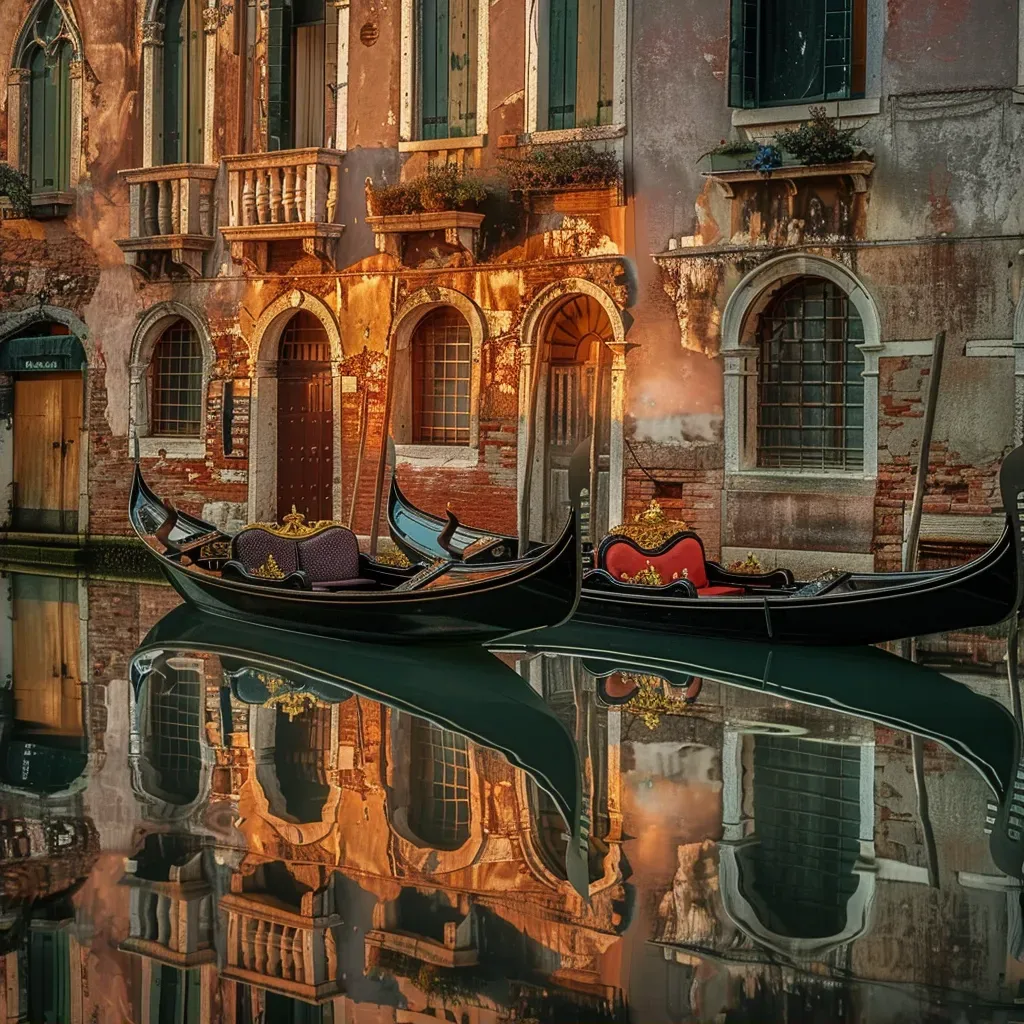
(719,591)
(623,561)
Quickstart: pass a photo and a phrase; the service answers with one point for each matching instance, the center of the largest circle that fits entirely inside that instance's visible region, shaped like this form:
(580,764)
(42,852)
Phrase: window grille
(440,781)
(796,51)
(441,367)
(810,412)
(177,372)
(304,340)
(447,72)
(174,705)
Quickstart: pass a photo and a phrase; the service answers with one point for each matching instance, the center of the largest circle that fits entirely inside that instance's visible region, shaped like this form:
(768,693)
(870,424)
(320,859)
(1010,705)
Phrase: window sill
(434,145)
(172,448)
(802,111)
(437,456)
(789,481)
(593,133)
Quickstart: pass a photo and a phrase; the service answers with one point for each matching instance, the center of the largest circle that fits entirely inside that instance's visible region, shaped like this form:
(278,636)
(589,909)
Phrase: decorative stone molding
(152,33)
(170,215)
(460,228)
(856,171)
(282,196)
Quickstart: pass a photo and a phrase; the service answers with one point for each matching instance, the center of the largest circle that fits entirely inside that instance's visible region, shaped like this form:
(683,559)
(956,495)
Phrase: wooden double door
(47,438)
(305,420)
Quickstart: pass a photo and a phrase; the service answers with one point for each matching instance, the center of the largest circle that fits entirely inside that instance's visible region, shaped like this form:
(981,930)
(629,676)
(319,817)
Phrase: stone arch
(411,848)
(749,298)
(150,328)
(18,145)
(409,316)
(736,834)
(534,324)
(263,346)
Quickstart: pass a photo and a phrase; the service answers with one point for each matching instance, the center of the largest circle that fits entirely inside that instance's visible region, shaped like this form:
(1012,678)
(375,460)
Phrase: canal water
(203,822)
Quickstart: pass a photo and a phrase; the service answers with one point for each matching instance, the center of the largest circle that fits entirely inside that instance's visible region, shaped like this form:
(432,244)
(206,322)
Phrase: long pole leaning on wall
(530,446)
(385,429)
(910,558)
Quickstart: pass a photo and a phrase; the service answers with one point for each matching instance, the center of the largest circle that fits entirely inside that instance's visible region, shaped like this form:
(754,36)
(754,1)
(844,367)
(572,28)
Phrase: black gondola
(839,608)
(371,602)
(862,681)
(463,688)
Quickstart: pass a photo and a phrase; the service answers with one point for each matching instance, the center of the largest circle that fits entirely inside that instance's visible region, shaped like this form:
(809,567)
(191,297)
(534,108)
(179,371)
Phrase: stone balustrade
(281,196)
(170,217)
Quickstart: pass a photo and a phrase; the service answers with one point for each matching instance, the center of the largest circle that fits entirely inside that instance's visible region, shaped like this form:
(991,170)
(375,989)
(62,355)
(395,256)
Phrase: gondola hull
(864,608)
(505,600)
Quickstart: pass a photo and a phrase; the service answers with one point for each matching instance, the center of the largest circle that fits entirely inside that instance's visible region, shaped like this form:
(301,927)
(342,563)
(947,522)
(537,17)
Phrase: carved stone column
(211,23)
(152,109)
(17,118)
(616,445)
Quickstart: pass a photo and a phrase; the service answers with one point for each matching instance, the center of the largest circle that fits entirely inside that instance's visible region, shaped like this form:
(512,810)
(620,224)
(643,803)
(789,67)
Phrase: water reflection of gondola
(864,682)
(468,691)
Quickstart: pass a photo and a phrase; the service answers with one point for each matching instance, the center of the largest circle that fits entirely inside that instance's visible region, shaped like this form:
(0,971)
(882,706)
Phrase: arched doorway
(577,401)
(305,419)
(41,391)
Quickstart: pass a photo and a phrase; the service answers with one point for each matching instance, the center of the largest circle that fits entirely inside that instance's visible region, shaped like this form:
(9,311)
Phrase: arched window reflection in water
(439,809)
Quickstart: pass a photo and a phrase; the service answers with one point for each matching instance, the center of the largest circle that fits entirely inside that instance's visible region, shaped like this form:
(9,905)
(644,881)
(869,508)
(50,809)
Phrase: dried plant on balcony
(441,188)
(14,185)
(819,140)
(572,165)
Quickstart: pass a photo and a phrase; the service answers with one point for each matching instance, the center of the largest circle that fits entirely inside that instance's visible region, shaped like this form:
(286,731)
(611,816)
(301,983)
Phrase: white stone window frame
(148,333)
(536,84)
(153,25)
(19,144)
(870,103)
(409,114)
(740,354)
(409,317)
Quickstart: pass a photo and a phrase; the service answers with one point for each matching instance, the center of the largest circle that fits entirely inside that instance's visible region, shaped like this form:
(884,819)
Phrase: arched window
(171,740)
(810,408)
(439,809)
(176,373)
(184,79)
(441,376)
(48,61)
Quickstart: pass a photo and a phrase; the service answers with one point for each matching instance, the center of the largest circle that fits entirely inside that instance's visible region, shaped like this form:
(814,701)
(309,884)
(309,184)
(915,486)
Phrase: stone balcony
(170,218)
(458,228)
(285,196)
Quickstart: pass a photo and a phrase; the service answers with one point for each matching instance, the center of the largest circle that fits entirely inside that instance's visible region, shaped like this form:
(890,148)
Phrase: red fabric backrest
(622,559)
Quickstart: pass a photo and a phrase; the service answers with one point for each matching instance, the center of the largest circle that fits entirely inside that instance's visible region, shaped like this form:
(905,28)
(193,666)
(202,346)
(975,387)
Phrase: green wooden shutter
(194,83)
(279,63)
(743,53)
(563,36)
(194,990)
(434,63)
(462,57)
(174,77)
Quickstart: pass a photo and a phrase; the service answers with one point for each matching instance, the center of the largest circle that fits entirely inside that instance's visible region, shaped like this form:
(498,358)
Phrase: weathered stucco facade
(677,267)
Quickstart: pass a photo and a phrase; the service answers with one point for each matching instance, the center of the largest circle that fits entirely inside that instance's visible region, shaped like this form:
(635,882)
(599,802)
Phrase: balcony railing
(279,949)
(170,217)
(279,197)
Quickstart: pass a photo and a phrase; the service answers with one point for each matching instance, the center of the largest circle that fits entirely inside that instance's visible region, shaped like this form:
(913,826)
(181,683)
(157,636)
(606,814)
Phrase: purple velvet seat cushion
(251,548)
(330,556)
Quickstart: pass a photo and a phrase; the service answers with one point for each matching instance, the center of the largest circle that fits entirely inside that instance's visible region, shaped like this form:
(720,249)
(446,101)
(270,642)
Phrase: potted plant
(568,177)
(728,155)
(15,193)
(819,140)
(441,188)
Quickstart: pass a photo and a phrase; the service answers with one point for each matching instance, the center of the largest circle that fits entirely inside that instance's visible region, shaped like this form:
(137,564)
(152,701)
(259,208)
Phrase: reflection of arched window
(183,82)
(810,403)
(172,730)
(439,808)
(301,745)
(177,382)
(49,121)
(798,873)
(441,378)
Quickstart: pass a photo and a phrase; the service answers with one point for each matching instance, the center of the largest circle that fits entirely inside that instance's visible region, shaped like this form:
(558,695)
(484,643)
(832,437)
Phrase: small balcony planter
(567,178)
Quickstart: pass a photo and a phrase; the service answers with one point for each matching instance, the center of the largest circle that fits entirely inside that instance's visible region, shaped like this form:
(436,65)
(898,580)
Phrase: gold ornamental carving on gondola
(294,526)
(282,696)
(650,528)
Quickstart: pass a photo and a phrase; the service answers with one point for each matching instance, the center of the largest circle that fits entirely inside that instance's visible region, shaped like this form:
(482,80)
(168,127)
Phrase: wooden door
(305,420)
(47,428)
(578,402)
(47,687)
